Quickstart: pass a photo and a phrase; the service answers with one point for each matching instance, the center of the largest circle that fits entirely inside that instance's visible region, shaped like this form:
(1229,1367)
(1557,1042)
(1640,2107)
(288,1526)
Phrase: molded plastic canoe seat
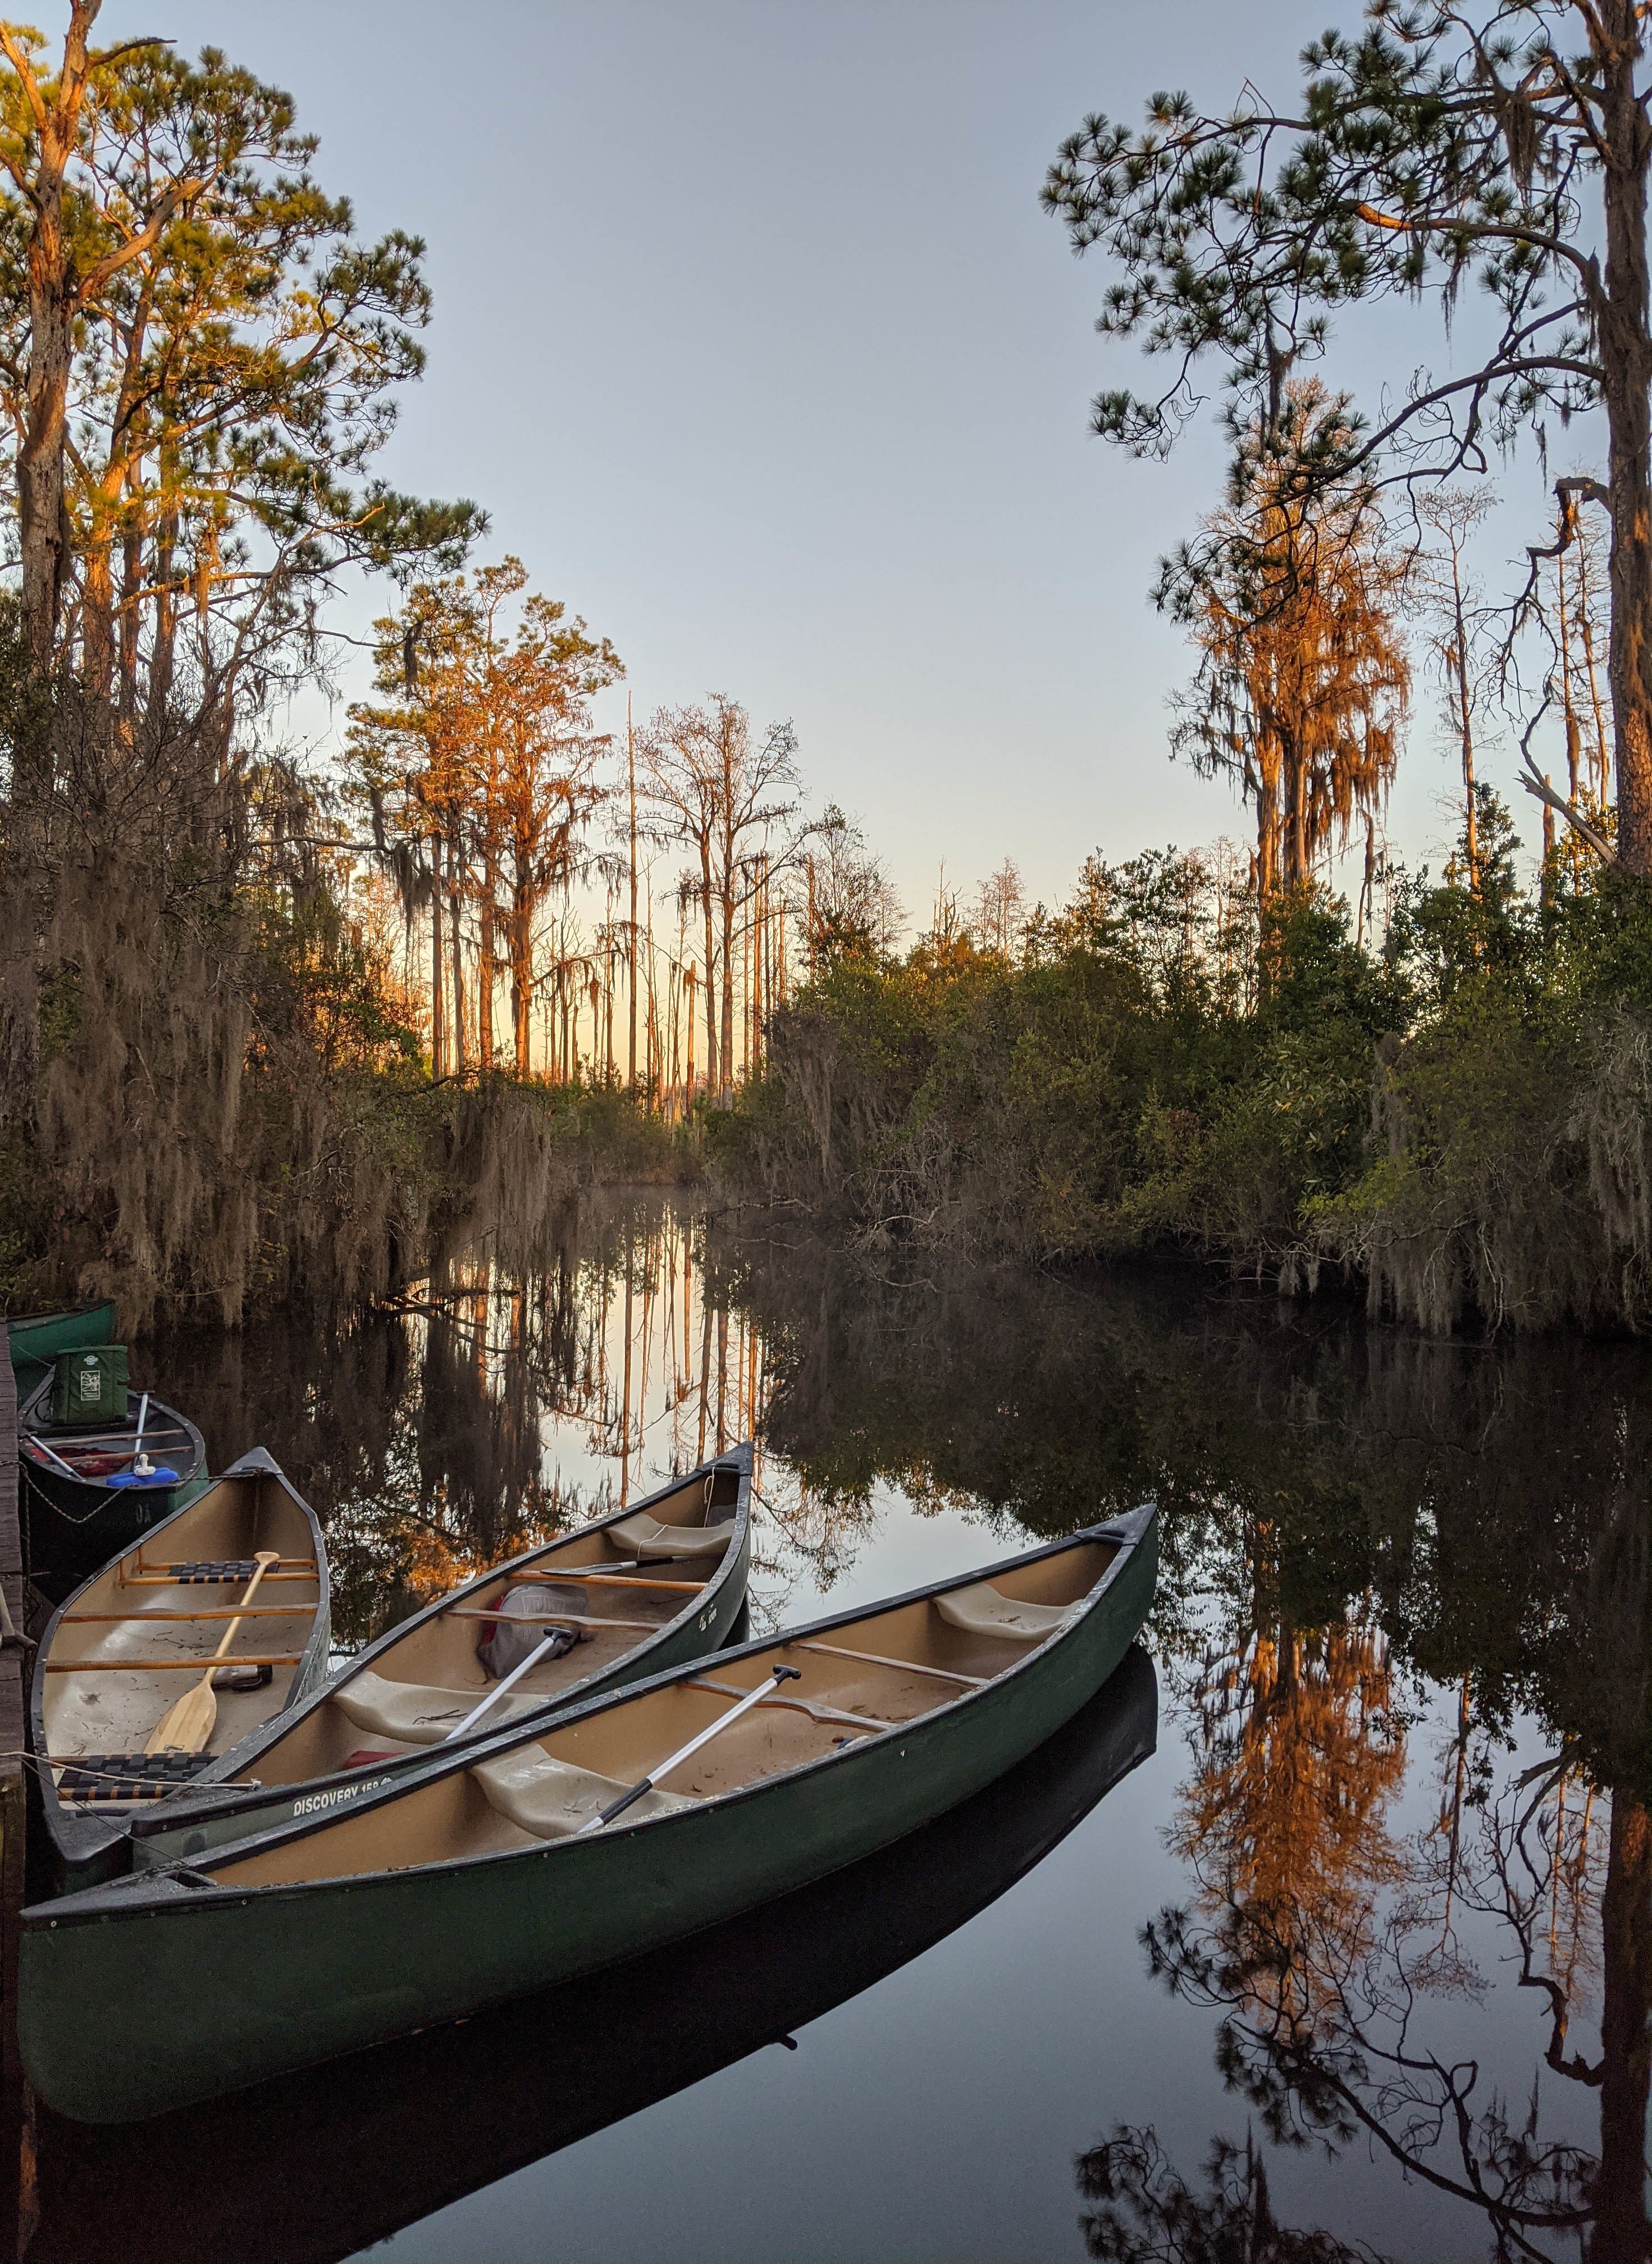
(649,1538)
(553,1799)
(417,1713)
(982,1610)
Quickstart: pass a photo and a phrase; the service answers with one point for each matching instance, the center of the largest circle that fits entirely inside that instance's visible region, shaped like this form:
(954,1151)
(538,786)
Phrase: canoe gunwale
(211,1797)
(77,1834)
(196,1889)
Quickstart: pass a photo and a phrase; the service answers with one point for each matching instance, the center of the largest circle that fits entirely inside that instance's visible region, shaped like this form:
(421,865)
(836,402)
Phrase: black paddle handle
(618,1807)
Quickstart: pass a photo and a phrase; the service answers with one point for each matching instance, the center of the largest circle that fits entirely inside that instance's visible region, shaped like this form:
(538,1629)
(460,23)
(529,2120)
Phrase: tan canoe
(140,1634)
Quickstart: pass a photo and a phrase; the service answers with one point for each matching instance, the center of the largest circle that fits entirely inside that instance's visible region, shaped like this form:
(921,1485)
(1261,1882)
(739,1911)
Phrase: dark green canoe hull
(150,1994)
(35,1340)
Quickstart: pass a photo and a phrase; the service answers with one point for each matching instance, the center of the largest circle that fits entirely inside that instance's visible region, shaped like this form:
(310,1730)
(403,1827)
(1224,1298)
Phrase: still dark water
(1357,1963)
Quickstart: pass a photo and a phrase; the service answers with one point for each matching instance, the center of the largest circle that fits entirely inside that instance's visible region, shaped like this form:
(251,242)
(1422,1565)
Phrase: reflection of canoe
(388,2136)
(672,1572)
(86,1477)
(35,1340)
(138,1634)
(479,1883)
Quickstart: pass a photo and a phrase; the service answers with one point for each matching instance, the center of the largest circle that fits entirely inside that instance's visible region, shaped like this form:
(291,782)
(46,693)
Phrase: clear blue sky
(750,335)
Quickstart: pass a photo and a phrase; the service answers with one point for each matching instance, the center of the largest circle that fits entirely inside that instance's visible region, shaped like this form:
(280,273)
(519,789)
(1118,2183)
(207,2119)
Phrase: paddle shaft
(40,1447)
(752,1698)
(508,1682)
(165,1731)
(143,1417)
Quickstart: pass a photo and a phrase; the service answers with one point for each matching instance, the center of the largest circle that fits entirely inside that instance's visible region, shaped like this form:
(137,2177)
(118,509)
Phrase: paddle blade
(188,1723)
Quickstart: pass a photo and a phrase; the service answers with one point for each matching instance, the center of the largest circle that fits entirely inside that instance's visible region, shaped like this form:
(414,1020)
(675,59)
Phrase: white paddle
(752,1698)
(506,1682)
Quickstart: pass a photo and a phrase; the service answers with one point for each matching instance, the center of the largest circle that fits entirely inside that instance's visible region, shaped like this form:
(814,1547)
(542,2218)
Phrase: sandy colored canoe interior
(915,1658)
(418,1690)
(109,1675)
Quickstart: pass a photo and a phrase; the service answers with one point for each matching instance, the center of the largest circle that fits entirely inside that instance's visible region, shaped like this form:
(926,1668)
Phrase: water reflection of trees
(484,1412)
(1350,1517)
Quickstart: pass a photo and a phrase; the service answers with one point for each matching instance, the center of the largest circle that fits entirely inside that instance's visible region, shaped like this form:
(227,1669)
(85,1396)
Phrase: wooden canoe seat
(649,1538)
(417,1713)
(982,1610)
(552,1799)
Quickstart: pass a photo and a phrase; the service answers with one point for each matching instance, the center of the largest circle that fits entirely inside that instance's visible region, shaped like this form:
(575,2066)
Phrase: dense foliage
(1458,1118)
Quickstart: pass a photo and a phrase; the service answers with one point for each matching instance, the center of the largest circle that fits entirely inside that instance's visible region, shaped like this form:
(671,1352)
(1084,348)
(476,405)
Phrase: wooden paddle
(190,1720)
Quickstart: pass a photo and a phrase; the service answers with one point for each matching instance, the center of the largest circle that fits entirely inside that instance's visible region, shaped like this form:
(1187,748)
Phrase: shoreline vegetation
(279,1025)
(1458,1122)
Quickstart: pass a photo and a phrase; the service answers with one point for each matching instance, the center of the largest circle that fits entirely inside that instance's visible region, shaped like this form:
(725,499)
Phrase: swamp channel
(1323,1933)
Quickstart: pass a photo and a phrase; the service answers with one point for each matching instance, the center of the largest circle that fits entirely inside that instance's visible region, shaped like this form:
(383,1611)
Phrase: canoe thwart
(212,1612)
(195,1666)
(550,1619)
(611,1580)
(903,1666)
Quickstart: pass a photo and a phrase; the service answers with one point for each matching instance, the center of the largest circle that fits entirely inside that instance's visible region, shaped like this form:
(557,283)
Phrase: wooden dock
(16,2147)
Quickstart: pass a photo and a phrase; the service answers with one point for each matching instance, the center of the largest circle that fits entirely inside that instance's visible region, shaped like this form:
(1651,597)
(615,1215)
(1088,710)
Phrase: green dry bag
(89,1386)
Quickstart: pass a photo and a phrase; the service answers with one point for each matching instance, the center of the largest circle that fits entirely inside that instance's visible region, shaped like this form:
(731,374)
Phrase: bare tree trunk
(439,965)
(456,939)
(1459,660)
(688,1082)
(1296,816)
(710,967)
(51,309)
(1568,701)
(726,1031)
(652,1026)
(519,941)
(631,774)
(485,949)
(1626,353)
(1270,822)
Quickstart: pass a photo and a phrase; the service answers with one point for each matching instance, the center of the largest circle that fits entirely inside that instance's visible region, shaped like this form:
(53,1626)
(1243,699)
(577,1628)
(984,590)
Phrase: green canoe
(35,1340)
(134,1638)
(653,1585)
(481,1880)
(81,1493)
